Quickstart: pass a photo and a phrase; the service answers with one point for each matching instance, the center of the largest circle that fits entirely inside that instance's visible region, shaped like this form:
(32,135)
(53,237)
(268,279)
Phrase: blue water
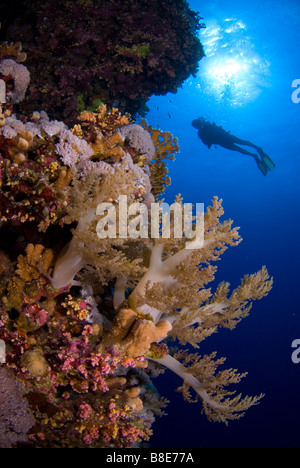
(260,46)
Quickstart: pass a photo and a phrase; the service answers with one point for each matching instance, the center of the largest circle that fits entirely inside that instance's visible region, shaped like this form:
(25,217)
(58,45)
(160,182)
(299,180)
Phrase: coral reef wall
(89,317)
(118,51)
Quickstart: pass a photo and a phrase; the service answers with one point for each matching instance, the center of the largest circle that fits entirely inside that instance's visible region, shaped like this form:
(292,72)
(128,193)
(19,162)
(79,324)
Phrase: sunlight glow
(224,71)
(232,71)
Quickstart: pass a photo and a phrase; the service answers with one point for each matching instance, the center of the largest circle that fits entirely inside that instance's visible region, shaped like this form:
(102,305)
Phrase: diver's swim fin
(261,166)
(267,160)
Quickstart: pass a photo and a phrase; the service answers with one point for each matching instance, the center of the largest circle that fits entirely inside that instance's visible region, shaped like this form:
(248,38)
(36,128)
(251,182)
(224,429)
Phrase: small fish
(169,115)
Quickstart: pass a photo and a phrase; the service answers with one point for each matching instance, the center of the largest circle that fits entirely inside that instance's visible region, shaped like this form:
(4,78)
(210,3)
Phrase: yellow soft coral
(37,261)
(172,289)
(110,257)
(108,148)
(193,325)
(198,373)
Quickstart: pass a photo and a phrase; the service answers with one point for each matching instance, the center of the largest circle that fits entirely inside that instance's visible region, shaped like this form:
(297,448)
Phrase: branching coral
(166,146)
(194,325)
(218,404)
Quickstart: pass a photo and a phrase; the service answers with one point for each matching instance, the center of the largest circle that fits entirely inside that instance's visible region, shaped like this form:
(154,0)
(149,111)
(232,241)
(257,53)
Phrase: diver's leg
(239,141)
(260,164)
(263,156)
(234,147)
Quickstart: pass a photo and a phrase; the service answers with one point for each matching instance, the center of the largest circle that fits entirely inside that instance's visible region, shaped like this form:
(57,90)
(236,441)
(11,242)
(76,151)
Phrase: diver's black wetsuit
(212,134)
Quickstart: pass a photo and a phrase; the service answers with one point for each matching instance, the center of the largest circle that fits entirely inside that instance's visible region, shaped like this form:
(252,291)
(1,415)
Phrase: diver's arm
(205,138)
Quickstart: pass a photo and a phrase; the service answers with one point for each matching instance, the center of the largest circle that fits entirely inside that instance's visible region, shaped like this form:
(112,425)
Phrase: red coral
(116,49)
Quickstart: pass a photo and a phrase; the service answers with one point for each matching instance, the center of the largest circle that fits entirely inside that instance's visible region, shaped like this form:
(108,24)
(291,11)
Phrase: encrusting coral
(13,51)
(87,316)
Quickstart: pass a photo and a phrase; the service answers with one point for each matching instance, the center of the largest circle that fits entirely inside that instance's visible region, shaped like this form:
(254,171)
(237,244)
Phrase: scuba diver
(212,134)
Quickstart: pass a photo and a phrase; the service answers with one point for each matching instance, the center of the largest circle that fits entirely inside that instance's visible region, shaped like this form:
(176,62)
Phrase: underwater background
(244,84)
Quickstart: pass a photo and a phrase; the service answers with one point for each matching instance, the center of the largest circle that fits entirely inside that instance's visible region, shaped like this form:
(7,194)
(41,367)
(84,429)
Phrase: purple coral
(20,74)
(15,415)
(139,139)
